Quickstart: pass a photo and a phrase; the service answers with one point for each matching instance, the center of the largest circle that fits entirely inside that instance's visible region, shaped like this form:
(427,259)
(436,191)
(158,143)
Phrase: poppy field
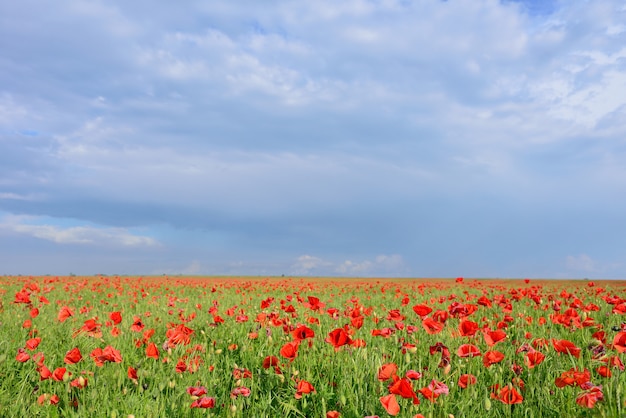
(275,347)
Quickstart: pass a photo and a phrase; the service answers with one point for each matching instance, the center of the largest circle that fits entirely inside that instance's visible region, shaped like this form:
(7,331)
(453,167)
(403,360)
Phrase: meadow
(299,347)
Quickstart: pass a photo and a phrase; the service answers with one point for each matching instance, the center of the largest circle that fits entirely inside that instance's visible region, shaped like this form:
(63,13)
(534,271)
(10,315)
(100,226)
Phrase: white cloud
(76,234)
(380,265)
(307,264)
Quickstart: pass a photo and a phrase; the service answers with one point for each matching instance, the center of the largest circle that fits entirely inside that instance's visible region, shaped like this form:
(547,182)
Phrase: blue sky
(474,138)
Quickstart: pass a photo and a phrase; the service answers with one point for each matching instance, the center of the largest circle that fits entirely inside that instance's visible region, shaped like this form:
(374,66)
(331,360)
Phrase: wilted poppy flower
(466,380)
(589,398)
(390,403)
(303,388)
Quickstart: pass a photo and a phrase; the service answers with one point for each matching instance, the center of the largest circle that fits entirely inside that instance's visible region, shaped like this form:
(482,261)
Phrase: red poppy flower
(508,395)
(589,398)
(493,337)
(466,380)
(59,373)
(333,414)
(290,350)
(413,375)
(402,387)
(80,382)
(32,343)
(302,332)
(422,310)
(22,356)
(492,357)
(152,351)
(468,350)
(567,347)
(116,317)
(338,337)
(44,372)
(203,402)
(468,328)
(303,388)
(65,313)
(619,342)
(109,354)
(73,356)
(386,371)
(431,326)
(390,403)
(240,391)
(573,377)
(533,359)
(137,325)
(132,373)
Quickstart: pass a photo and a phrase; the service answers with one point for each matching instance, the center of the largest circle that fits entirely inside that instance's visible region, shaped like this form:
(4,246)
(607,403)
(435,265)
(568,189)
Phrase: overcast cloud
(475,138)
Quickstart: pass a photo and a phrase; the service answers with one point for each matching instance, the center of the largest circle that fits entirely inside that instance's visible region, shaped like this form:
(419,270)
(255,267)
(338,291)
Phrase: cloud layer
(428,138)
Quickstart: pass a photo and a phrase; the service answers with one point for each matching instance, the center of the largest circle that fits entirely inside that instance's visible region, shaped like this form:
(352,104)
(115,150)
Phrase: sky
(372,138)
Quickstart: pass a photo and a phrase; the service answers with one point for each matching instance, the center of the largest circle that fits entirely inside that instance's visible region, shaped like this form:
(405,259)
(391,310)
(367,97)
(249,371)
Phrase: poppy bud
(487,404)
